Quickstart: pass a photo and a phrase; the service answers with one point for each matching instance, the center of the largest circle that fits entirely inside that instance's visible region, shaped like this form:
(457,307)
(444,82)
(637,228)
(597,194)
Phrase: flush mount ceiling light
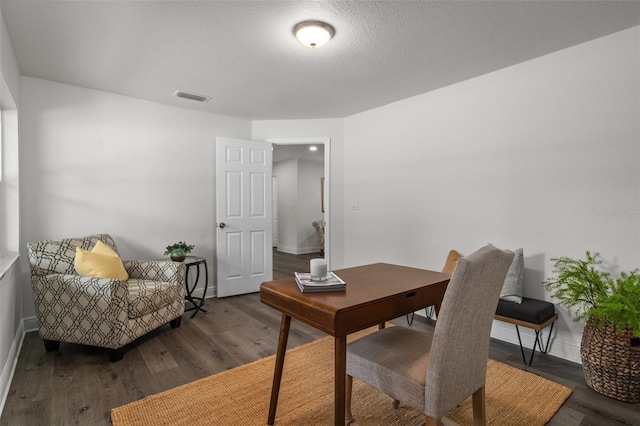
(313,33)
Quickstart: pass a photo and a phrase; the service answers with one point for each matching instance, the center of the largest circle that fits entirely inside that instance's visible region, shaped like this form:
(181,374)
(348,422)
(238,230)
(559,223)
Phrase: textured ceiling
(243,53)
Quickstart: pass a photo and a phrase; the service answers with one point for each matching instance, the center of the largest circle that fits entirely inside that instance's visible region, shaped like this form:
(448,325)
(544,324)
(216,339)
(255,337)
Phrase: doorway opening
(301,200)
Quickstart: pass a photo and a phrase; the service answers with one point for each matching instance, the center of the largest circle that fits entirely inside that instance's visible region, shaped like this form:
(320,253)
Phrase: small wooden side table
(197,302)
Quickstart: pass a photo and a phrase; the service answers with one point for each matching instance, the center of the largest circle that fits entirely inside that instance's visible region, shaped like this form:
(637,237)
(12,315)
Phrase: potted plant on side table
(610,347)
(178,251)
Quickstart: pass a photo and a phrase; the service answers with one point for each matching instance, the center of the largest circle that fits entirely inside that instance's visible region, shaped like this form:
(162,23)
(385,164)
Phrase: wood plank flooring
(79,386)
(285,264)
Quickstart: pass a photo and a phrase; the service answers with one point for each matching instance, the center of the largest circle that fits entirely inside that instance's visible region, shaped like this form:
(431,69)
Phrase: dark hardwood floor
(284,265)
(79,386)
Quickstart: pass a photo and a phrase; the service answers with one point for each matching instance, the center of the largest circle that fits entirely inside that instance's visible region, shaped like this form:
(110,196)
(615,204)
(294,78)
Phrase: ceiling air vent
(192,96)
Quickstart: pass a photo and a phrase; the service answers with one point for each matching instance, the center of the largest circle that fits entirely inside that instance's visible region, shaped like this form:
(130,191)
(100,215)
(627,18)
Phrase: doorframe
(326,141)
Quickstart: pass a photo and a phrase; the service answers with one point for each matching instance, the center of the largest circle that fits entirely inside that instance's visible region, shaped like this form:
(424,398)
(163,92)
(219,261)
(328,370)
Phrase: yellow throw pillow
(451,262)
(95,264)
(102,248)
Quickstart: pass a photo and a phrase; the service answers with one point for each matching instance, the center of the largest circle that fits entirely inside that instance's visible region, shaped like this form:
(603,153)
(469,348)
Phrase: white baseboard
(198,291)
(10,366)
(298,250)
(507,333)
(30,324)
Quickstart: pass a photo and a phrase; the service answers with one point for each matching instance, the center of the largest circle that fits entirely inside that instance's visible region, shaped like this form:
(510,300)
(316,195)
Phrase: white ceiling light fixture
(313,148)
(313,33)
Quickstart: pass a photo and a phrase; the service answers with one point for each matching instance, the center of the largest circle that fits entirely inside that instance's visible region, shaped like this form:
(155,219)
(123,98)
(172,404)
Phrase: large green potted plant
(610,347)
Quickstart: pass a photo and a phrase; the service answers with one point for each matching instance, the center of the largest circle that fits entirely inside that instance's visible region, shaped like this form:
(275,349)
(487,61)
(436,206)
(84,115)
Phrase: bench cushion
(530,310)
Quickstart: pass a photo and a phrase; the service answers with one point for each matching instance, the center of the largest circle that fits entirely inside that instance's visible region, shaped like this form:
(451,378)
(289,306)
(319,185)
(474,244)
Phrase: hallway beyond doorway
(285,264)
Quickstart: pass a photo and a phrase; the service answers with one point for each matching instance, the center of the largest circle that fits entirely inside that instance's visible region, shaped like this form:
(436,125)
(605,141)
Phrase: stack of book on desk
(331,282)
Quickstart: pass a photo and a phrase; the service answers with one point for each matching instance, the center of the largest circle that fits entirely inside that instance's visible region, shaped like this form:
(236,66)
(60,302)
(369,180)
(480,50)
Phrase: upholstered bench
(531,313)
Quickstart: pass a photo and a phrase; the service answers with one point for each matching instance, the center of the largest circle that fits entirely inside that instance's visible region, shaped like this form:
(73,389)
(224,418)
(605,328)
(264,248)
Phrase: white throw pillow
(513,283)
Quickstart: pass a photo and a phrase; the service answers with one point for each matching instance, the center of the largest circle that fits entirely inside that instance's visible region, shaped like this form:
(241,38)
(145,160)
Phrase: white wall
(320,128)
(309,204)
(9,64)
(11,331)
(96,162)
(286,173)
(299,204)
(537,155)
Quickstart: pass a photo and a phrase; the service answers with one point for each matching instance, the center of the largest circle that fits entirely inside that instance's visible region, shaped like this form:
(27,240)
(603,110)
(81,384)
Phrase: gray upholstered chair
(436,374)
(102,312)
(448,268)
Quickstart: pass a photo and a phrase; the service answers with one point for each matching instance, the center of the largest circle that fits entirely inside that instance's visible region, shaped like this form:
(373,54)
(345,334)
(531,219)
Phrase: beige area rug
(241,397)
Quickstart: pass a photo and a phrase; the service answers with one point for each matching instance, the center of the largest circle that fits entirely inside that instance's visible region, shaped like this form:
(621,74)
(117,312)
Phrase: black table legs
(197,302)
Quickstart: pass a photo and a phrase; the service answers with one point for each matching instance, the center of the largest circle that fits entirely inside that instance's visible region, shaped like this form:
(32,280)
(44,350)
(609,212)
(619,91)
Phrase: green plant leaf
(589,292)
(179,245)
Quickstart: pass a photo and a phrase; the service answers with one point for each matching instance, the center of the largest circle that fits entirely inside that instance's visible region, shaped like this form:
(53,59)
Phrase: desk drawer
(366,315)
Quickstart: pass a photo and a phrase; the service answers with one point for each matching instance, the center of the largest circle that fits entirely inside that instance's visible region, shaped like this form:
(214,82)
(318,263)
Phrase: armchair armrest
(156,270)
(93,290)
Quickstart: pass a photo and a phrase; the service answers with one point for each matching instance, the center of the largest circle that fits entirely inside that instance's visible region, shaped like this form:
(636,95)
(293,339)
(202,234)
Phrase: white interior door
(243,215)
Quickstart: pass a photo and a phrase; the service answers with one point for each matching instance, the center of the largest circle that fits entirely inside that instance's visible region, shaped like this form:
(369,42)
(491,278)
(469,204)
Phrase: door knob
(221,225)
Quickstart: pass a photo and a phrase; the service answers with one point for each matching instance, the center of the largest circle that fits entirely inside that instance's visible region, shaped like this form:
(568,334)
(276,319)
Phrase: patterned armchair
(102,312)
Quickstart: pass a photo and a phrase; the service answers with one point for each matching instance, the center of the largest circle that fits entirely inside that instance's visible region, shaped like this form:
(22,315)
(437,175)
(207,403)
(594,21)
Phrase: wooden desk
(375,294)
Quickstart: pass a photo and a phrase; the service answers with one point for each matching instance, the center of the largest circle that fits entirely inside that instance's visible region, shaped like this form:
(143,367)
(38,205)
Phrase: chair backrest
(460,347)
(56,257)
